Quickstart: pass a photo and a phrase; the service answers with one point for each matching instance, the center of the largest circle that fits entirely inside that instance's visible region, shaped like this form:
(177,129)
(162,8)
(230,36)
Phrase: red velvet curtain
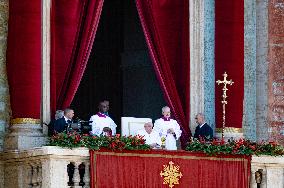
(166,28)
(24,58)
(229,57)
(73,31)
(142,169)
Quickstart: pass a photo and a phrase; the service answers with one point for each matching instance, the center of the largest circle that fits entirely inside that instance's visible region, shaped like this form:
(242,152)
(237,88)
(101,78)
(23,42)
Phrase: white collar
(66,119)
(202,125)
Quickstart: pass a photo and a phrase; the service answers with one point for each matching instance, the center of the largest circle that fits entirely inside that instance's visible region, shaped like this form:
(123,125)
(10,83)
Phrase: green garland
(74,140)
(235,147)
(215,147)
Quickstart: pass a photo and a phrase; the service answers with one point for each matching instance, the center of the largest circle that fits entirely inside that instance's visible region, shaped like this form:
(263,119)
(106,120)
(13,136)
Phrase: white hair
(59,114)
(201,114)
(149,123)
(165,107)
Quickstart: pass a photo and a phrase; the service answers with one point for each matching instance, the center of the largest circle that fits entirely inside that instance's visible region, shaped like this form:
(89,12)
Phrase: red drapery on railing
(73,29)
(24,59)
(143,169)
(229,53)
(166,29)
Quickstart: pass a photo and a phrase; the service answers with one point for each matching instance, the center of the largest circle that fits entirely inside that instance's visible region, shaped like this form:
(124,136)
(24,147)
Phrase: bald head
(103,107)
(200,118)
(107,104)
(166,111)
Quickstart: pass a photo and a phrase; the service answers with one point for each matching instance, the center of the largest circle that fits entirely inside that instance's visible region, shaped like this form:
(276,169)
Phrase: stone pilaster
(24,133)
(261,69)
(276,69)
(4,90)
(25,130)
(202,74)
(249,104)
(209,62)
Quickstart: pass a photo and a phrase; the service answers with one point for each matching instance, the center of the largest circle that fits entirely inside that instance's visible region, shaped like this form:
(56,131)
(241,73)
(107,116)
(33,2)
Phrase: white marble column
(45,54)
(202,57)
(4,89)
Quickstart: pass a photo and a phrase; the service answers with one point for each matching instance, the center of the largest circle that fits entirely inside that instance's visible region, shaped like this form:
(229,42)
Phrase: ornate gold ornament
(224,96)
(171,174)
(25,121)
(163,140)
(229,130)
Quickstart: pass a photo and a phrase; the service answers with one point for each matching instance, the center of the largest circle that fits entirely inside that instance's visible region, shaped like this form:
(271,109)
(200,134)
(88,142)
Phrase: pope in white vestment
(152,137)
(168,129)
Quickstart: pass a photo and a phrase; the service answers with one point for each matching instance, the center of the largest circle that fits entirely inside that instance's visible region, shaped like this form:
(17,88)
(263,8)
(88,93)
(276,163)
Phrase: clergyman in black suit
(203,129)
(61,123)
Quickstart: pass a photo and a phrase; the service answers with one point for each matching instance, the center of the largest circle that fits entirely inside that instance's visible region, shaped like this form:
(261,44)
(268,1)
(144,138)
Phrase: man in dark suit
(61,123)
(203,129)
(58,114)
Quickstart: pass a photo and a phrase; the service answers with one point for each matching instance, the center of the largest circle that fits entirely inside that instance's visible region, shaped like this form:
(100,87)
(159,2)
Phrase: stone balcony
(51,167)
(43,167)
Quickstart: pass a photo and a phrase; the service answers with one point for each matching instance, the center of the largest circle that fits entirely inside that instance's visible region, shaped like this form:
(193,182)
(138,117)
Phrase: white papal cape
(151,138)
(99,121)
(162,125)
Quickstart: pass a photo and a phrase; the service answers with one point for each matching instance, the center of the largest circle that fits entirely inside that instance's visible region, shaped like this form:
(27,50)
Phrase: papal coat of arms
(171,174)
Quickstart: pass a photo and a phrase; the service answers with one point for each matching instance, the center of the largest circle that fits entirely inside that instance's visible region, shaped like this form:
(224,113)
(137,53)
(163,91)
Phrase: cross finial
(225,82)
(224,102)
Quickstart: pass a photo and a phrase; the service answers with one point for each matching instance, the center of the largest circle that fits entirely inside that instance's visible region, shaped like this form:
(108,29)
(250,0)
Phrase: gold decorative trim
(95,171)
(25,121)
(167,156)
(230,130)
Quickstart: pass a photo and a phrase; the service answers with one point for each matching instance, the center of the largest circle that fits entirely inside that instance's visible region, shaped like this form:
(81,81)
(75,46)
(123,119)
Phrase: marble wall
(276,69)
(4,91)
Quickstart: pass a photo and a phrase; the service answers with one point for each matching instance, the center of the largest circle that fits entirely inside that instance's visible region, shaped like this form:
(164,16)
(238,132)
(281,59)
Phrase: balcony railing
(52,167)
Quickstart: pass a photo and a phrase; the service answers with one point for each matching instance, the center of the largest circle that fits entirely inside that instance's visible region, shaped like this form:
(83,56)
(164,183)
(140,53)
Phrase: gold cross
(224,102)
(225,89)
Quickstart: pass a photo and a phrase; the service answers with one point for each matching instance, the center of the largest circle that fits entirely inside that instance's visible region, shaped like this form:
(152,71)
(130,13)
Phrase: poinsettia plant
(241,147)
(117,142)
(69,140)
(214,147)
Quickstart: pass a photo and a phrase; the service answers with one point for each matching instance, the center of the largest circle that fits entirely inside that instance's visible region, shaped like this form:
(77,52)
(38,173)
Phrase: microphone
(83,121)
(78,120)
